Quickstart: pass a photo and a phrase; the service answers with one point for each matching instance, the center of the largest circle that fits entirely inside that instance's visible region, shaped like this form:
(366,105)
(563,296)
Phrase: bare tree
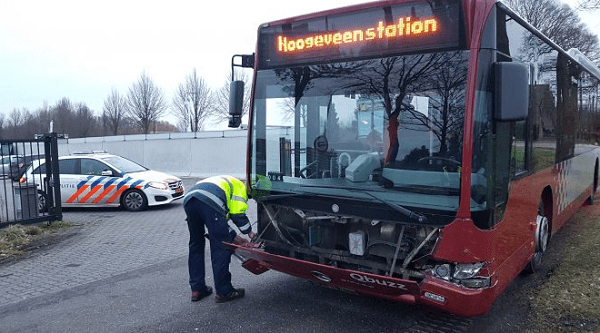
(16,124)
(588,5)
(182,125)
(221,106)
(192,102)
(145,102)
(85,120)
(39,121)
(62,116)
(560,23)
(15,119)
(392,81)
(114,110)
(77,120)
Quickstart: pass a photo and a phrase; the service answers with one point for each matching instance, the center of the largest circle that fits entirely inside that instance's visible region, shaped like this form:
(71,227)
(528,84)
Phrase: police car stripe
(93,190)
(77,193)
(83,182)
(83,186)
(107,188)
(120,188)
(124,181)
(117,194)
(104,193)
(94,187)
(110,181)
(97,181)
(123,188)
(136,184)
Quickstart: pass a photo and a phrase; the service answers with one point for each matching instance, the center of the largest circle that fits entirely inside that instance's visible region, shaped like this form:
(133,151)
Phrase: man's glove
(239,240)
(252,236)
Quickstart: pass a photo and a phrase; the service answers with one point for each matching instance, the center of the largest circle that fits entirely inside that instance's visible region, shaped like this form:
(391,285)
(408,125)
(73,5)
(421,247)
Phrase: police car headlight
(159,185)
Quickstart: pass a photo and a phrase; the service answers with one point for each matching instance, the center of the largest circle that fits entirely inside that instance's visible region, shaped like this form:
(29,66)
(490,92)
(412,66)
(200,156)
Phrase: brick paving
(110,242)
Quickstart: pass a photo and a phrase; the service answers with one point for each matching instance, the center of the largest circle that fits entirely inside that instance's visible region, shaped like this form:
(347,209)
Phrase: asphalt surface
(127,272)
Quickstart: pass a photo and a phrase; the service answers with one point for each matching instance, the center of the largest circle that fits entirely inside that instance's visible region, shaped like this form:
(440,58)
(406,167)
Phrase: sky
(50,49)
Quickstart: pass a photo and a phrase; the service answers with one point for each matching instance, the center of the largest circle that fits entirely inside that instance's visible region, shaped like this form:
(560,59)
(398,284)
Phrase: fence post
(53,176)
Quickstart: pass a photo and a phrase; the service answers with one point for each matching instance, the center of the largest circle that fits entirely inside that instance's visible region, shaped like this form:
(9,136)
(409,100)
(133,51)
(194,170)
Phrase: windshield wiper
(406,212)
(403,211)
(427,189)
(341,187)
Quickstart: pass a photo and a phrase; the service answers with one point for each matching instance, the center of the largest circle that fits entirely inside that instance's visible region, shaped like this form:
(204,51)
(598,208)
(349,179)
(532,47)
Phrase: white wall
(202,154)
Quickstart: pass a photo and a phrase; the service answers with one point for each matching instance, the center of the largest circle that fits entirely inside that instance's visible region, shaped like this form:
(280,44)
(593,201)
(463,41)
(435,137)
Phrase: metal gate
(33,200)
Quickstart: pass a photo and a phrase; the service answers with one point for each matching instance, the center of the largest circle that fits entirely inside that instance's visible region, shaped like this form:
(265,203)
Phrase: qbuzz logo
(366,279)
(321,276)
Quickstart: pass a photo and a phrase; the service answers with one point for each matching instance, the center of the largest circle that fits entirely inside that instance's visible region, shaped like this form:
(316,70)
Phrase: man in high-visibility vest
(212,202)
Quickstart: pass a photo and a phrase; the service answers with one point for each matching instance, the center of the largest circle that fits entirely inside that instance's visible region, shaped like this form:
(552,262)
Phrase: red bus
(418,151)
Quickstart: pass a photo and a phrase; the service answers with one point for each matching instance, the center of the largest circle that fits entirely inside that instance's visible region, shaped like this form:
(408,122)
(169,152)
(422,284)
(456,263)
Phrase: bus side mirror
(512,91)
(236,103)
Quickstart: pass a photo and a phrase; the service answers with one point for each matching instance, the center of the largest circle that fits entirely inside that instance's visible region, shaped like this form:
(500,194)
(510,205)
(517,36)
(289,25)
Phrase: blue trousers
(199,215)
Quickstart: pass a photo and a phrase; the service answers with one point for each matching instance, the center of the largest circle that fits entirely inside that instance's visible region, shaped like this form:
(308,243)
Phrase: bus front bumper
(430,292)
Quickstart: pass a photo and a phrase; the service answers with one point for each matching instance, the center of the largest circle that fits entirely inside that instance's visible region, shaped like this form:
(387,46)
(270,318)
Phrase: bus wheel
(590,200)
(542,235)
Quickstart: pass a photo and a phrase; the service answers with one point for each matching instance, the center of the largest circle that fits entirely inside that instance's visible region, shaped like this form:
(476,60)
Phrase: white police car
(100,180)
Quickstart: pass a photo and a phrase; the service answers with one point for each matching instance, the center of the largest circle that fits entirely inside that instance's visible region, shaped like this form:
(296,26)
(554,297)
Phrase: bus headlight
(477,283)
(466,271)
(442,271)
(463,274)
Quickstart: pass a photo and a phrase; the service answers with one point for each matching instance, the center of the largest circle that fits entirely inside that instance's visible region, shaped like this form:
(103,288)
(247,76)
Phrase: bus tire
(590,199)
(542,236)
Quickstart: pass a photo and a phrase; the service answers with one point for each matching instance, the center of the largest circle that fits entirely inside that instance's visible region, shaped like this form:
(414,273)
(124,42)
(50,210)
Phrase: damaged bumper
(431,291)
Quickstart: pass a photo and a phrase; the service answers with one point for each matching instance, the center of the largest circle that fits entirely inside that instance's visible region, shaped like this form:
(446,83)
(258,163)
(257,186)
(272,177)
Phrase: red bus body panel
(506,249)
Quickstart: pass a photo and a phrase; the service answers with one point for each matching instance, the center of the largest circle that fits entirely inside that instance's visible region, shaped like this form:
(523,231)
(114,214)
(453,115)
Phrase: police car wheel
(134,200)
(42,201)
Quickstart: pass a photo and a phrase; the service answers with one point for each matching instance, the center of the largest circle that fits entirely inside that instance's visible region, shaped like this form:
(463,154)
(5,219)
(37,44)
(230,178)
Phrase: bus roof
(584,61)
(338,10)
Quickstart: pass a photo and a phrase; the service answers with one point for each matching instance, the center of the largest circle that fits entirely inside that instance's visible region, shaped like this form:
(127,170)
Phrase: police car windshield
(124,165)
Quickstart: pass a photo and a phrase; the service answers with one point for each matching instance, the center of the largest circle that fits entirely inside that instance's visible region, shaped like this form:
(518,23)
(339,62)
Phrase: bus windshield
(392,125)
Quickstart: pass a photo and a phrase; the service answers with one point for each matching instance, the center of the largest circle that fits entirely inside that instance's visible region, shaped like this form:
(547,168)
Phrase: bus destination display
(366,33)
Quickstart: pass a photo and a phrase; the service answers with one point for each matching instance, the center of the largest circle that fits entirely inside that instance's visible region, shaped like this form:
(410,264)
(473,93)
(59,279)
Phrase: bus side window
(534,141)
(519,149)
(567,112)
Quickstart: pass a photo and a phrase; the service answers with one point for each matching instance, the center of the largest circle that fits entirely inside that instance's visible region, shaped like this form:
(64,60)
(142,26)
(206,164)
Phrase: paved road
(110,242)
(127,272)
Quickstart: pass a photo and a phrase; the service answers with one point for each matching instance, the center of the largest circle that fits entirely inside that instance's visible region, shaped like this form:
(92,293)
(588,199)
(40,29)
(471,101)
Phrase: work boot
(235,294)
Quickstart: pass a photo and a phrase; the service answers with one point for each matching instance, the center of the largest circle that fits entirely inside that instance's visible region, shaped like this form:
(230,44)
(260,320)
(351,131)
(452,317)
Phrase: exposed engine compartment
(372,246)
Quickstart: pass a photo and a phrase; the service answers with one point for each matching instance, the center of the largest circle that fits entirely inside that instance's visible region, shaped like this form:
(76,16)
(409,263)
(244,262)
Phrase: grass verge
(569,301)
(15,239)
